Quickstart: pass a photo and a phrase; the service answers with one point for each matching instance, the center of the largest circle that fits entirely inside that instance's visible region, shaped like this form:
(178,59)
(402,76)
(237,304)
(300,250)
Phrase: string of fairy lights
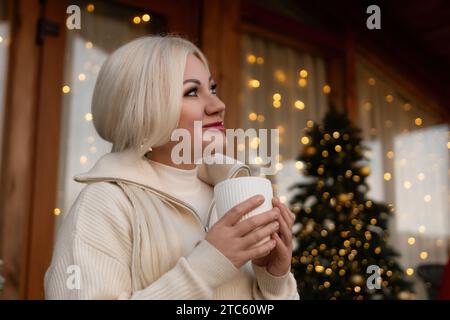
(390,155)
(367,106)
(277,102)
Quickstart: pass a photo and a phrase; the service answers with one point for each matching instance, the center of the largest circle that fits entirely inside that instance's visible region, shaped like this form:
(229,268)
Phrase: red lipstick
(216,125)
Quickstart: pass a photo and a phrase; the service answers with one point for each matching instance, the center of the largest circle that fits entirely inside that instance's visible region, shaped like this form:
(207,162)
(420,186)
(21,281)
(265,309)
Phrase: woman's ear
(148,153)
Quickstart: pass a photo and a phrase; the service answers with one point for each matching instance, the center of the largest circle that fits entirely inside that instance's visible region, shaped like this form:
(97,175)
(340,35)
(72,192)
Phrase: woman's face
(199,103)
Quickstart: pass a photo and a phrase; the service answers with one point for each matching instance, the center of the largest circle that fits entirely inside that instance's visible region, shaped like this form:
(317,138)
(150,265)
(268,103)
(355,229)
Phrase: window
(105,27)
(410,167)
(282,88)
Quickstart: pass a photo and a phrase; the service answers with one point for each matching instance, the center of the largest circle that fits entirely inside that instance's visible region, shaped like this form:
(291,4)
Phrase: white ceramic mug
(231,192)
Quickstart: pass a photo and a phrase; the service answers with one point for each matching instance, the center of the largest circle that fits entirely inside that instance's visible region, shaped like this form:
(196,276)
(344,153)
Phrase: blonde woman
(145,227)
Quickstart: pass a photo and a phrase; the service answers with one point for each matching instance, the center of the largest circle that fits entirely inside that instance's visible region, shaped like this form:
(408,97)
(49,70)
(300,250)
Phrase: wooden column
(335,71)
(350,76)
(221,44)
(19,147)
(46,156)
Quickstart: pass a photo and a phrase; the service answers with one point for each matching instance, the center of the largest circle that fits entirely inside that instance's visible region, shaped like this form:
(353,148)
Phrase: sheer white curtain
(81,146)
(104,28)
(282,88)
(410,167)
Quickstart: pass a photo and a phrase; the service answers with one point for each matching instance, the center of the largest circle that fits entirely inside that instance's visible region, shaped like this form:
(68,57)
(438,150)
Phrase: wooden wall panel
(19,147)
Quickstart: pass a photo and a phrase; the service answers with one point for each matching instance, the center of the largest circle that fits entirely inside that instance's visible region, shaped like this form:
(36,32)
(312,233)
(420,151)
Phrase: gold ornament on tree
(365,171)
(310,151)
(357,280)
(309,226)
(344,197)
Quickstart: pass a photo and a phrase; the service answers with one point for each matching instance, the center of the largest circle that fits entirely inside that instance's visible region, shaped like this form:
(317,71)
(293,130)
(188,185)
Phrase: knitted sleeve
(92,254)
(270,287)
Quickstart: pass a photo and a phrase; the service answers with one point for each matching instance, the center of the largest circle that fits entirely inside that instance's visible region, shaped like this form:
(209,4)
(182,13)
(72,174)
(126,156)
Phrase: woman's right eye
(191,93)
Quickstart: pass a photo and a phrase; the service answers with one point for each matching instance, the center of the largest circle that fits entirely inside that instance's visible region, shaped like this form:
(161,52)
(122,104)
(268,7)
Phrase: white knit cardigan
(123,239)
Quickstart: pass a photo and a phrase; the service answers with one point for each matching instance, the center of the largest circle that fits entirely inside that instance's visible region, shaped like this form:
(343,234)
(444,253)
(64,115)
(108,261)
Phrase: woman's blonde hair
(137,97)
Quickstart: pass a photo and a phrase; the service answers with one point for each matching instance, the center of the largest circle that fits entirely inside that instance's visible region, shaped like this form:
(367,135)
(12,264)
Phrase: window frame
(30,166)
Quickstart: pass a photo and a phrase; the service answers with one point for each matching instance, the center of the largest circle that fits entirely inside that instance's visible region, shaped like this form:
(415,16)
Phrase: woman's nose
(215,106)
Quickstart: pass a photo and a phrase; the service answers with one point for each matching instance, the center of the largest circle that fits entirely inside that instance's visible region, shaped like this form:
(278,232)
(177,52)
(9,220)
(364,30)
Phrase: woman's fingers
(237,212)
(248,225)
(289,216)
(289,213)
(280,244)
(286,234)
(286,222)
(261,250)
(259,234)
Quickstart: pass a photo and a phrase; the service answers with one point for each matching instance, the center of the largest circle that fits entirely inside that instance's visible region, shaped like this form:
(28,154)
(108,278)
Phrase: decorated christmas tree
(342,250)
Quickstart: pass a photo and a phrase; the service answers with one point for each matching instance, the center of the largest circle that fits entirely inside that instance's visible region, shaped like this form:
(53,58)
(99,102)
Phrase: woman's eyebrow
(197,81)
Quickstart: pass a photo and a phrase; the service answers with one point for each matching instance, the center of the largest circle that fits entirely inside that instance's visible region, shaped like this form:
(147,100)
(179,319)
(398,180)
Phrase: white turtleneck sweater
(186,186)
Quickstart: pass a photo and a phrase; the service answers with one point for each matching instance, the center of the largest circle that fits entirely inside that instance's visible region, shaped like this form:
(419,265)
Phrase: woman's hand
(278,261)
(235,239)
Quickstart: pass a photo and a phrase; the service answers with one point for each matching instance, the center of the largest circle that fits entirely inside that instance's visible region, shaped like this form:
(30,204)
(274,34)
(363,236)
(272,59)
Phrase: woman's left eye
(214,89)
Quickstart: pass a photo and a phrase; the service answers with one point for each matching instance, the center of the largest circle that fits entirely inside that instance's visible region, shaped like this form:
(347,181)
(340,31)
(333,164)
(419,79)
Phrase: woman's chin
(211,150)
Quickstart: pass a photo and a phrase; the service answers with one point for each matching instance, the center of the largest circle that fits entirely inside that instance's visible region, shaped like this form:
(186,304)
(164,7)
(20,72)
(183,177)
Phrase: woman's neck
(166,159)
